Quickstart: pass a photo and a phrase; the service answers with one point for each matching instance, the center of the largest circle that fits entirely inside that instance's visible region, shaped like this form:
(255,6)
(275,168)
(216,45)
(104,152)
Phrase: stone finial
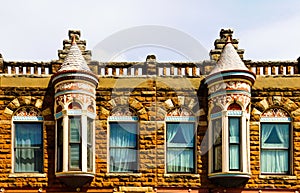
(222,41)
(74,33)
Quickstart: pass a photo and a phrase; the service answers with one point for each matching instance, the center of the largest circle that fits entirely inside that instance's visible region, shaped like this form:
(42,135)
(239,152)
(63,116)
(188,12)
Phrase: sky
(33,30)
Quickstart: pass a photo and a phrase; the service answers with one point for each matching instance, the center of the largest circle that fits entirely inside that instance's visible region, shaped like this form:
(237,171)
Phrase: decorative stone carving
(121,111)
(275,112)
(179,112)
(84,99)
(238,85)
(28,111)
(225,100)
(75,86)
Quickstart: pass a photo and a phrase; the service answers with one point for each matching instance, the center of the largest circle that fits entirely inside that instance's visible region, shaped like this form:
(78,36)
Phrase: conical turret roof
(74,60)
(229,60)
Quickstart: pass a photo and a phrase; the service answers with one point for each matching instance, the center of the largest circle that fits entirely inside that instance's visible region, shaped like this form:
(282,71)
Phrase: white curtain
(275,147)
(28,147)
(123,153)
(180,147)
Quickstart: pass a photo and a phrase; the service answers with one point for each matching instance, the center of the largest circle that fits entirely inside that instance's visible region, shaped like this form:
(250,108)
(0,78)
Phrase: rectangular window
(275,147)
(180,148)
(123,147)
(217,144)
(28,147)
(75,142)
(234,143)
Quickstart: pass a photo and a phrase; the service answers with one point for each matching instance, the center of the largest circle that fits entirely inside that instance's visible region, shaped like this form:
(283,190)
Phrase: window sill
(124,174)
(182,175)
(284,177)
(27,175)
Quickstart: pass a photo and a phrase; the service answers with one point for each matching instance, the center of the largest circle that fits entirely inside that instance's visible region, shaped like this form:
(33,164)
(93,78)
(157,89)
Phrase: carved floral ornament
(67,98)
(180,112)
(28,111)
(121,111)
(275,112)
(225,100)
(234,85)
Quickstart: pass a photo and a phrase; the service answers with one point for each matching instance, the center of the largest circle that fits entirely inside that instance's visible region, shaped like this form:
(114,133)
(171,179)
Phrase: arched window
(275,137)
(180,141)
(28,140)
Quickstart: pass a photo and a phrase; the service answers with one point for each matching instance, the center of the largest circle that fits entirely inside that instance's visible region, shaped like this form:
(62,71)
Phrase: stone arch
(183,102)
(123,111)
(266,103)
(21,101)
(129,103)
(180,111)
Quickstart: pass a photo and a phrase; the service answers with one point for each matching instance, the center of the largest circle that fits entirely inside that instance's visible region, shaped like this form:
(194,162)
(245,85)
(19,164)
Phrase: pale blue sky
(34,29)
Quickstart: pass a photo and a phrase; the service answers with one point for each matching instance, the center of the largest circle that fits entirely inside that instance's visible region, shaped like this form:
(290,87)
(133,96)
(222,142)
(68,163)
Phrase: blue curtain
(234,143)
(123,143)
(180,147)
(275,148)
(28,147)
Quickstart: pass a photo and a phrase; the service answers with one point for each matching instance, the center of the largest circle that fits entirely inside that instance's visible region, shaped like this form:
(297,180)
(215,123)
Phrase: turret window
(234,143)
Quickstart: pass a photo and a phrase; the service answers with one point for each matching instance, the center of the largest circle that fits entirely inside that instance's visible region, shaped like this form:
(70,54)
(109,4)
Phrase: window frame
(218,116)
(78,142)
(239,144)
(279,121)
(129,120)
(22,120)
(194,169)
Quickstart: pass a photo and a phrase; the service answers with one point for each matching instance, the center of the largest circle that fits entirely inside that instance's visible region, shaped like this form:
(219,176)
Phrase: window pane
(123,160)
(75,123)
(218,158)
(180,160)
(28,147)
(275,140)
(122,135)
(89,157)
(123,147)
(59,144)
(234,155)
(275,135)
(234,130)
(217,144)
(180,147)
(75,155)
(274,161)
(90,143)
(234,141)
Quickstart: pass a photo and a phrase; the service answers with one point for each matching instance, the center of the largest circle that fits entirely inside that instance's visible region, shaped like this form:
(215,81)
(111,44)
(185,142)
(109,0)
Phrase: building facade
(222,125)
